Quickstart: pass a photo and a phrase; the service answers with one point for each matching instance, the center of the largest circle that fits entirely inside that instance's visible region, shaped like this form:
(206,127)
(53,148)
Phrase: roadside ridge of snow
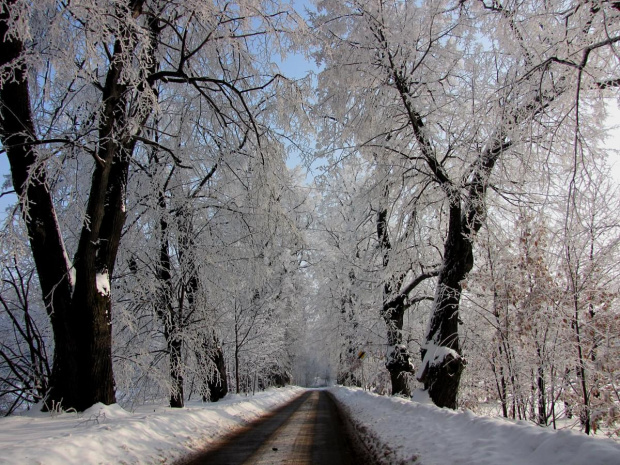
(414,432)
(107,434)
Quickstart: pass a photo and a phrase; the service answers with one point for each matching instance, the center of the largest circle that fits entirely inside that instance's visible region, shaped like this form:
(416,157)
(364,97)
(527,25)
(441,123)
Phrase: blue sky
(5,200)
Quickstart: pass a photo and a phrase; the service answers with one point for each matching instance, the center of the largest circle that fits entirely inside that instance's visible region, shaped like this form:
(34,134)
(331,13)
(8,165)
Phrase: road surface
(308,430)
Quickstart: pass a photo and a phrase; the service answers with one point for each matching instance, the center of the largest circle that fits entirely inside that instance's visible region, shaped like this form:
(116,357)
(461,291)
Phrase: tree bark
(348,360)
(442,361)
(80,311)
(177,399)
(398,361)
(441,375)
(580,370)
(30,182)
(236,358)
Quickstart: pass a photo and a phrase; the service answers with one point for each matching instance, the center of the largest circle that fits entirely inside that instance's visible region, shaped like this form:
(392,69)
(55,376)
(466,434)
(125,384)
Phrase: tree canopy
(460,236)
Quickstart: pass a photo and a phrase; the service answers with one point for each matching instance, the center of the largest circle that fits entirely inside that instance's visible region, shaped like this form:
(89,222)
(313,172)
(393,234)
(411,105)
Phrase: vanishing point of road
(307,430)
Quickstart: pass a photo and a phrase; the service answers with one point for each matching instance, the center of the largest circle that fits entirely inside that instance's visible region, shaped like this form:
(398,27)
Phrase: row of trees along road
(151,111)
(444,100)
(147,144)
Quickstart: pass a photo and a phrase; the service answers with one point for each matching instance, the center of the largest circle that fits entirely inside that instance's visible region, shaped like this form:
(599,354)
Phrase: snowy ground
(110,435)
(396,430)
(400,431)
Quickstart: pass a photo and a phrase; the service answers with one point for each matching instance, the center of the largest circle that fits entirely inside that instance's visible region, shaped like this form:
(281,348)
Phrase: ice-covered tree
(459,94)
(85,83)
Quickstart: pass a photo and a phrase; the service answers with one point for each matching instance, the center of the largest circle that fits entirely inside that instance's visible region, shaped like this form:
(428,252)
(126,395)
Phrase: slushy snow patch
(103,283)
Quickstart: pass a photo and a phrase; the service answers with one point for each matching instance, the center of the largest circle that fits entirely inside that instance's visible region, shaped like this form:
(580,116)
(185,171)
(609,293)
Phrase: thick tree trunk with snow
(80,307)
(442,363)
(91,306)
(398,362)
(91,331)
(82,367)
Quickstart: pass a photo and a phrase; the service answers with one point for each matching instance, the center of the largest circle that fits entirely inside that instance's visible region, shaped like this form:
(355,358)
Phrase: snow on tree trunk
(80,310)
(442,363)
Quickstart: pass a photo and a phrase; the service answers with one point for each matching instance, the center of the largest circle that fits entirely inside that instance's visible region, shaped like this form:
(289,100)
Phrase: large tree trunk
(30,183)
(398,361)
(80,311)
(442,363)
(177,398)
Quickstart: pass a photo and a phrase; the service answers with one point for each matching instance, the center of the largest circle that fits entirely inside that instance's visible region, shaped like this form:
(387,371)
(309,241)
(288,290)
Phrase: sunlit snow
(401,431)
(152,434)
(396,430)
(103,283)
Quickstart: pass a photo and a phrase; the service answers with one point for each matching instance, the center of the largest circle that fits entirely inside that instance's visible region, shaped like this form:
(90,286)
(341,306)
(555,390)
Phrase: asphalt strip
(308,430)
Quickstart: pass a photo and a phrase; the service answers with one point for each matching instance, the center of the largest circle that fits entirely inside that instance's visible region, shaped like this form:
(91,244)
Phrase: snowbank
(394,429)
(110,435)
(397,430)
